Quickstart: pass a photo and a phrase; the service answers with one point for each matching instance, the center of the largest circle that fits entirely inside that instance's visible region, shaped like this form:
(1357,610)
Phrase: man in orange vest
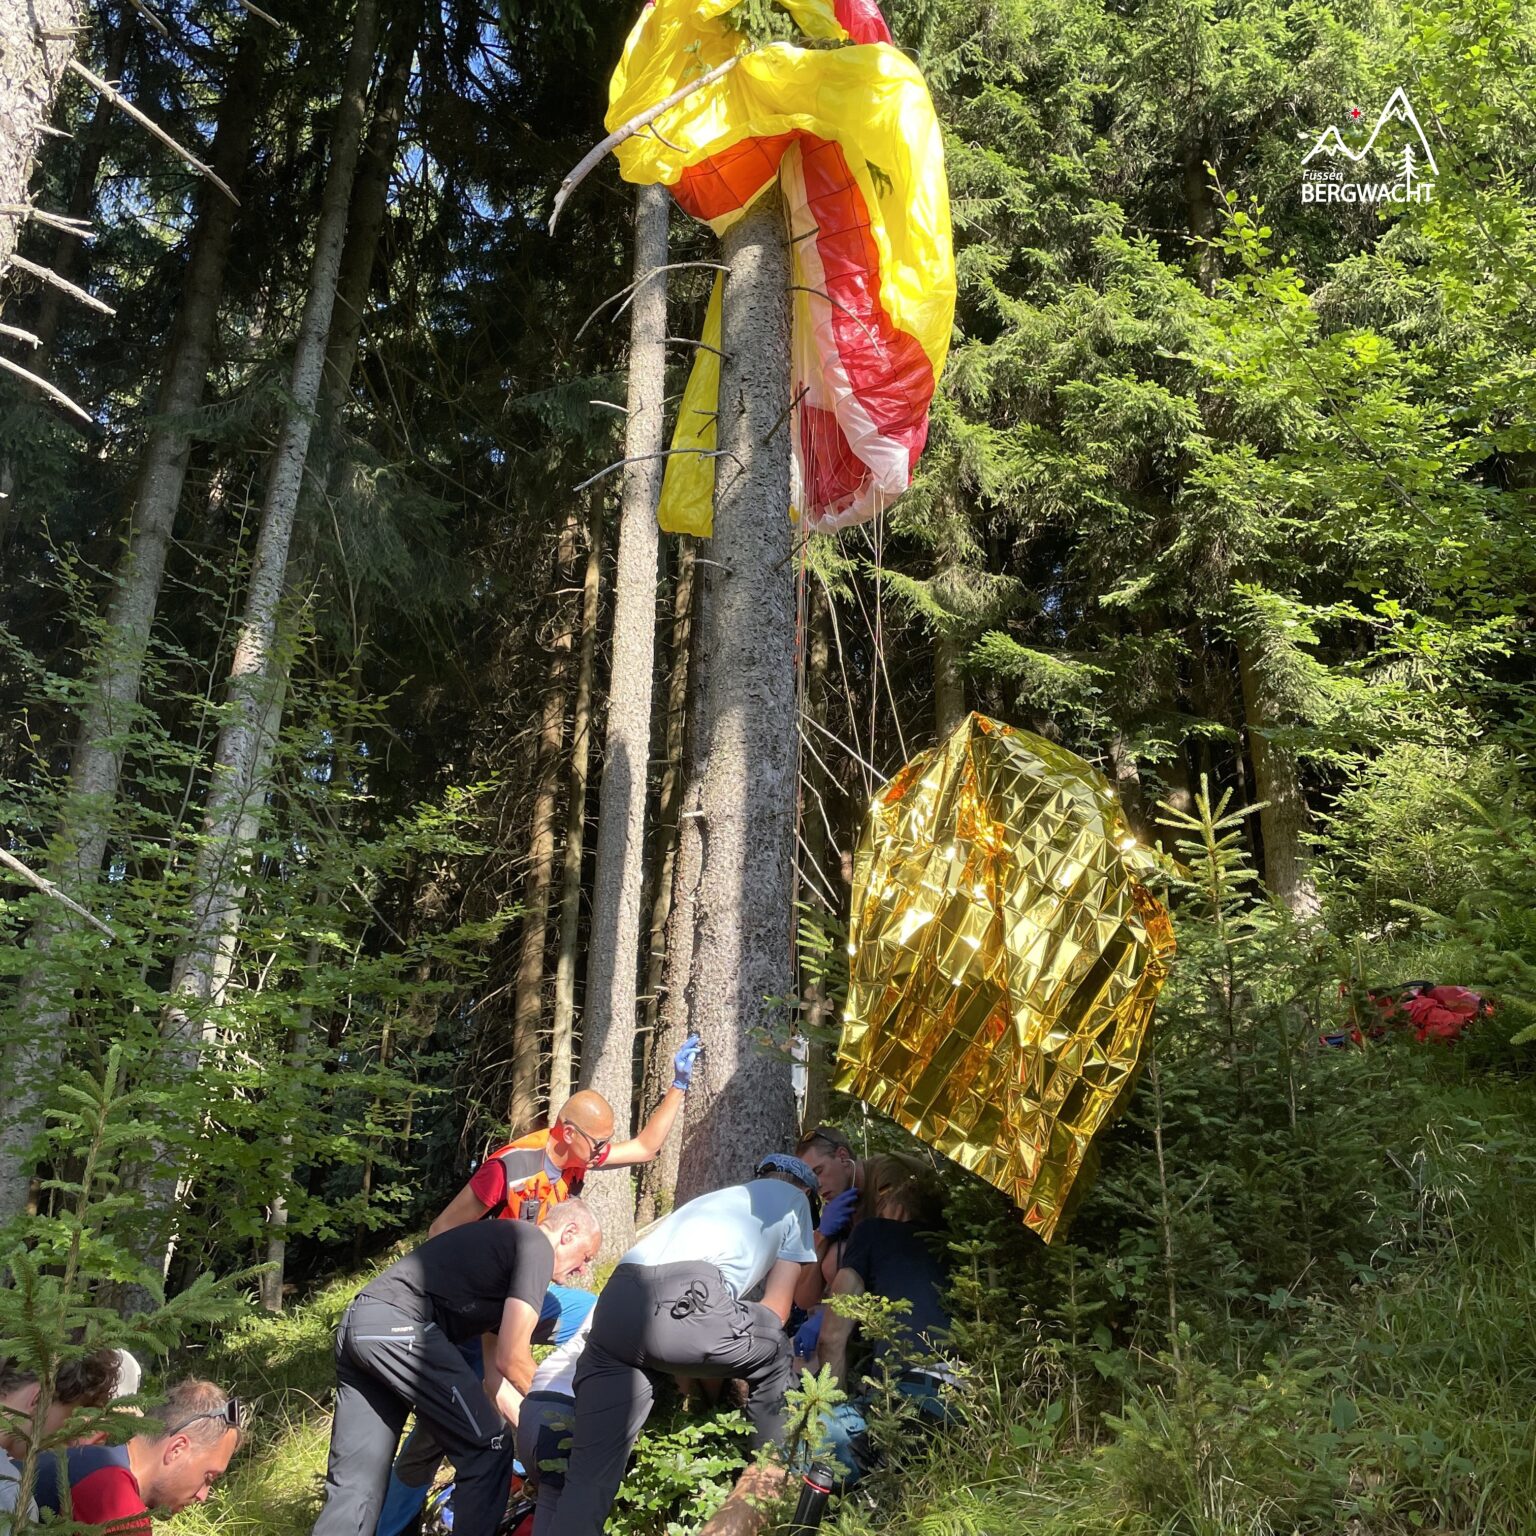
(522,1179)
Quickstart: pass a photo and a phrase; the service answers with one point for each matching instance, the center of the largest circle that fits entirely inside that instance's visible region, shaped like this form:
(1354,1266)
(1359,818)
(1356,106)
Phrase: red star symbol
(1356,113)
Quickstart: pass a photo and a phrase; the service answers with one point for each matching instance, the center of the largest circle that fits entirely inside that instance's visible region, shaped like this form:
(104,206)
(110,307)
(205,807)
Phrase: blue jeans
(845,1426)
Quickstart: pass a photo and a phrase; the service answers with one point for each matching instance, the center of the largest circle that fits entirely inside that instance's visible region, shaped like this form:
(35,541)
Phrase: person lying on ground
(88,1381)
(892,1253)
(189,1437)
(564,1311)
(398,1349)
(673,1307)
(840,1183)
(524,1178)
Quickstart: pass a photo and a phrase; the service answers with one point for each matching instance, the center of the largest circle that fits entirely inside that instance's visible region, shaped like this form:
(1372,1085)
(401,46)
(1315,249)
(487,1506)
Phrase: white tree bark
(742,954)
(608,1019)
(257,677)
(37,40)
(112,695)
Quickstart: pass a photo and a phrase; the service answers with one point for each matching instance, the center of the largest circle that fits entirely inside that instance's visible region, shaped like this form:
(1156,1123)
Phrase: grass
(285,1368)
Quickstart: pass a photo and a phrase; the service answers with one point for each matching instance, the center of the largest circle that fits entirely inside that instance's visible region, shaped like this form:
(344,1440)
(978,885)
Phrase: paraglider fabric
(851,136)
(1004,958)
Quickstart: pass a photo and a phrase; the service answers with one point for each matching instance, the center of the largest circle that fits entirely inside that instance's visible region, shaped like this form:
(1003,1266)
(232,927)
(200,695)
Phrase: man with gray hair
(187,1444)
(398,1349)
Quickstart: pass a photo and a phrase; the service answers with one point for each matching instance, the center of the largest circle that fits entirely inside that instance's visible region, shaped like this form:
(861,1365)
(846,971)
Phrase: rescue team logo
(1332,172)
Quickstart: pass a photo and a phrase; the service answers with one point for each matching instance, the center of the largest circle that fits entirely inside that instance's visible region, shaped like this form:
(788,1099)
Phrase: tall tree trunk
(37,40)
(948,684)
(258,673)
(741,1102)
(106,718)
(528,1004)
(365,218)
(563,1030)
(1277,785)
(271,1282)
(667,1027)
(815,842)
(608,1021)
(1125,775)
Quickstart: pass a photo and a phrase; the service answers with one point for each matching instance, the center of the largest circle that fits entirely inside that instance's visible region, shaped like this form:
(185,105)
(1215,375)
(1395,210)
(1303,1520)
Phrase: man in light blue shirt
(673,1307)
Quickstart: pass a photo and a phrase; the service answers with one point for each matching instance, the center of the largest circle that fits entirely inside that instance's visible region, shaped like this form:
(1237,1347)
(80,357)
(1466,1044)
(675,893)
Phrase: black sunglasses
(597,1145)
(229,1414)
(826,1135)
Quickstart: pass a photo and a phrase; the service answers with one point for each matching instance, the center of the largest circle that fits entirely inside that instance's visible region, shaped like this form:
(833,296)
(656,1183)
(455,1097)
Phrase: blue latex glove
(683,1062)
(837,1213)
(807,1335)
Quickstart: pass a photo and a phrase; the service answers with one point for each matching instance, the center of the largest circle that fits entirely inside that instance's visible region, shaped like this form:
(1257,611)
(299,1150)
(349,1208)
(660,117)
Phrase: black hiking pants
(388,1361)
(662,1320)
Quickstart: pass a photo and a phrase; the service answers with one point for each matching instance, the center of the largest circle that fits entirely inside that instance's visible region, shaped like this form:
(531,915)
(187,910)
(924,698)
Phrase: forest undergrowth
(1299,1296)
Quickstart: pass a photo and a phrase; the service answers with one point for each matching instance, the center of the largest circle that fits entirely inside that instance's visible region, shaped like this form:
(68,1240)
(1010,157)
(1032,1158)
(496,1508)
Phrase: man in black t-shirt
(397,1349)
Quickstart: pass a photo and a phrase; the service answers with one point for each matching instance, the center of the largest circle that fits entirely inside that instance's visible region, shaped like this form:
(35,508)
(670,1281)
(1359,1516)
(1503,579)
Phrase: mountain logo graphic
(1330,142)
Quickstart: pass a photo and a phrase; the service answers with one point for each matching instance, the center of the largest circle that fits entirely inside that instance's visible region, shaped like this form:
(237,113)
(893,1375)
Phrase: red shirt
(102,1489)
(520,1173)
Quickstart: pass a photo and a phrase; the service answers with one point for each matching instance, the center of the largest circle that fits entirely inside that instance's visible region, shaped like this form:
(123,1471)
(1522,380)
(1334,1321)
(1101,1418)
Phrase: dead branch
(76,227)
(688,341)
(629,289)
(640,120)
(805,389)
(666,453)
(149,125)
(53,392)
(16,333)
(48,888)
(44,274)
(256,11)
(54,133)
(150,17)
(821,293)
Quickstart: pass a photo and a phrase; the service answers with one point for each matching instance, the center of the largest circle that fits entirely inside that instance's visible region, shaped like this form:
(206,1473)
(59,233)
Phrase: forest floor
(1404,1406)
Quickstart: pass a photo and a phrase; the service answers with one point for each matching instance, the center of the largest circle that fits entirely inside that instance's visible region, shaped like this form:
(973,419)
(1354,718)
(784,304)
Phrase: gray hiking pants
(389,1361)
(662,1320)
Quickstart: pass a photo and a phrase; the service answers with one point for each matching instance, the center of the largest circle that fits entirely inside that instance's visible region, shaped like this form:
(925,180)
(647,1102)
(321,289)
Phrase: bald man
(521,1180)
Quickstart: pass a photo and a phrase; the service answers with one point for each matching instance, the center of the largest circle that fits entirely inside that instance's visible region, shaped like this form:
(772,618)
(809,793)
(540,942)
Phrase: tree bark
(111,700)
(1125,775)
(365,218)
(1277,785)
(948,684)
(742,970)
(528,1004)
(608,1021)
(258,674)
(666,1026)
(563,1030)
(37,40)
(271,1282)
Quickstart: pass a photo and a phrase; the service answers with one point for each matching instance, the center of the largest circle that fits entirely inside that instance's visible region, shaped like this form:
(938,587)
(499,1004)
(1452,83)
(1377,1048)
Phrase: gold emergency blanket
(1004,959)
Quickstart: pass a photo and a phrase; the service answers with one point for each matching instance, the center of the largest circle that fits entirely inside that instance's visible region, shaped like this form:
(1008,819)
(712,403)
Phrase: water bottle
(814,1488)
